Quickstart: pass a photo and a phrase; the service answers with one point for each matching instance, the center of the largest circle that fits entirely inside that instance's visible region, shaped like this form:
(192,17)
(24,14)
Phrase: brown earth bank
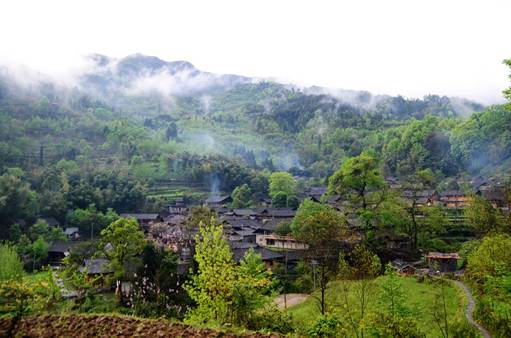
(85,326)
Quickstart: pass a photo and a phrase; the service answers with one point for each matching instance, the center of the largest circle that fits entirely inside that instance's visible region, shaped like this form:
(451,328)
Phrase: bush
(463,330)
(272,319)
(326,326)
(10,264)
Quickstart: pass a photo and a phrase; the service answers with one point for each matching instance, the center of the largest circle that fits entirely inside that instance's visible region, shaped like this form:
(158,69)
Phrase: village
(258,229)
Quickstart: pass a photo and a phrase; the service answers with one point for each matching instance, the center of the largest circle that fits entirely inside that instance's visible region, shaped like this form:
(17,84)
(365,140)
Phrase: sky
(406,47)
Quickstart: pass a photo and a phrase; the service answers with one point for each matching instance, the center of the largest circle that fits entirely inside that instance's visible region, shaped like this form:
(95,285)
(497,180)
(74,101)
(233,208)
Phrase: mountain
(142,74)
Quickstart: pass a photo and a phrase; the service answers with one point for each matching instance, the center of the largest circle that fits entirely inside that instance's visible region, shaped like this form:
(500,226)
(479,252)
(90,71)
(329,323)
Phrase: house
(246,235)
(496,197)
(393,182)
(268,226)
(454,199)
(96,266)
(403,268)
(240,224)
(276,213)
(421,197)
(280,242)
(269,257)
(245,213)
(57,251)
(51,221)
(72,233)
(442,262)
(178,207)
(218,201)
(315,193)
(144,219)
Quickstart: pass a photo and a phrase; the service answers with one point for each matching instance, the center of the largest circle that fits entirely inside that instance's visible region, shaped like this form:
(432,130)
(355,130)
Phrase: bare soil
(85,326)
(290,299)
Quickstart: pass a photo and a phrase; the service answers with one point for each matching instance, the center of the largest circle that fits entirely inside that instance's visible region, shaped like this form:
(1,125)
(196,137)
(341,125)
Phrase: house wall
(280,242)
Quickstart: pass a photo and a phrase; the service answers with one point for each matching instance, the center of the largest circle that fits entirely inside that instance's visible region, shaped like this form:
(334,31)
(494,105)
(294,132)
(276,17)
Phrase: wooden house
(442,262)
(218,201)
(454,199)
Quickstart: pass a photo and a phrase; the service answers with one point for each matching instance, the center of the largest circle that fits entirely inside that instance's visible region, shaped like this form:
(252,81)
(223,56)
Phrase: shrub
(272,319)
(326,326)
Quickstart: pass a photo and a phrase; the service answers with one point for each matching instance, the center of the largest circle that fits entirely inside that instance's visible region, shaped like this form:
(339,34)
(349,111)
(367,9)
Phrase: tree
(49,234)
(281,181)
(211,286)
(507,92)
(251,289)
(322,228)
(90,220)
(279,200)
(157,288)
(482,216)
(11,266)
(199,215)
(395,319)
(122,241)
(39,251)
(241,196)
(17,200)
(358,270)
(361,181)
(293,202)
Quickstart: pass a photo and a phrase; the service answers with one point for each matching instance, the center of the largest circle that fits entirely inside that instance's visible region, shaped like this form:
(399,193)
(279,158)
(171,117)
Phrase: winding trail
(470,310)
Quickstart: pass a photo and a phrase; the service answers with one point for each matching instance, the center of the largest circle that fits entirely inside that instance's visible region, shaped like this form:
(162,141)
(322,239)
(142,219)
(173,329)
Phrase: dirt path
(291,299)
(470,310)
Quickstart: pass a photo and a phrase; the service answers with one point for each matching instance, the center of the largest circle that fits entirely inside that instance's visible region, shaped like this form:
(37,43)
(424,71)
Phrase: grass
(419,298)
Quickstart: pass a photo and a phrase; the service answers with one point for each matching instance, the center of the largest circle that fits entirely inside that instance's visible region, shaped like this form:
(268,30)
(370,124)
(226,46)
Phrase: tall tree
(122,242)
(322,228)
(211,286)
(361,181)
(241,196)
(281,182)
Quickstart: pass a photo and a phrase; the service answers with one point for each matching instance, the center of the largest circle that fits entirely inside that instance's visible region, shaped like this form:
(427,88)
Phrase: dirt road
(470,310)
(290,299)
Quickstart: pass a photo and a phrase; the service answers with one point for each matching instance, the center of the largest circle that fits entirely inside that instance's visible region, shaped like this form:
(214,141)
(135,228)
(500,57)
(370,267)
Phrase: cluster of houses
(255,228)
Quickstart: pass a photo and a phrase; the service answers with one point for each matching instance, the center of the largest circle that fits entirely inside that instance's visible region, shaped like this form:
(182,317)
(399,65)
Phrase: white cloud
(395,47)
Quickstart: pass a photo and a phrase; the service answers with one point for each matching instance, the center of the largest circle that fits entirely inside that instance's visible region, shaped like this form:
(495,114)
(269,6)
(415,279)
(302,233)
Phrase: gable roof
(61,247)
(71,231)
(51,221)
(278,212)
(95,266)
(244,223)
(142,217)
(218,199)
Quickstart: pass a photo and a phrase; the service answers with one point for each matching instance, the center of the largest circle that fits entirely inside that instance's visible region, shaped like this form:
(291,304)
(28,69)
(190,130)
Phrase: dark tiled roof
(278,212)
(245,223)
(61,246)
(267,255)
(140,217)
(95,266)
(218,199)
(51,221)
(245,212)
(452,193)
(244,233)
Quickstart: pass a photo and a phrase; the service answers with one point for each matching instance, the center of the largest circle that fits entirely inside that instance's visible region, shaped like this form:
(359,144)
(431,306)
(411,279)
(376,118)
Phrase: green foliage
(49,234)
(279,200)
(241,196)
(122,241)
(281,182)
(39,251)
(90,220)
(507,92)
(489,270)
(482,216)
(211,286)
(156,289)
(11,267)
(327,326)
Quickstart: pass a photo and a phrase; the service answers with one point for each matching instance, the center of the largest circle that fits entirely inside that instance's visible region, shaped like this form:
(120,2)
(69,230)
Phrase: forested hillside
(127,125)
